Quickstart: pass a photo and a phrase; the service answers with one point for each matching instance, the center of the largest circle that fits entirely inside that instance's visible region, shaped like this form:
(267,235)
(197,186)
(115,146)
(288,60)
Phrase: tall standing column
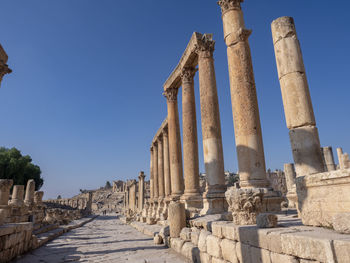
(151,175)
(177,184)
(155,171)
(248,136)
(214,201)
(328,158)
(160,168)
(167,179)
(141,190)
(190,141)
(297,103)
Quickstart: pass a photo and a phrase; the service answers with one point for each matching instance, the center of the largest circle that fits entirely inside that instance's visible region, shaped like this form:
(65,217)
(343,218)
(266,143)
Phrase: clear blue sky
(85,96)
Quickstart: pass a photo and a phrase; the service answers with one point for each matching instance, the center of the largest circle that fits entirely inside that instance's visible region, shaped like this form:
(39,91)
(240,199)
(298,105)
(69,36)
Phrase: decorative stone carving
(205,46)
(171,94)
(4,69)
(229,5)
(187,74)
(245,204)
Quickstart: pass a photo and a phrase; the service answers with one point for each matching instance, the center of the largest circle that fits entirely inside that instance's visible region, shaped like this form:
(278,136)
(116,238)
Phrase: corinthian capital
(230,5)
(4,69)
(205,46)
(187,74)
(171,94)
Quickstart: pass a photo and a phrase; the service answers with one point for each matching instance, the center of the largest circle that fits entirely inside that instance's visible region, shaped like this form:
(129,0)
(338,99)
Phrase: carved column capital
(171,94)
(165,132)
(227,5)
(205,46)
(187,74)
(4,69)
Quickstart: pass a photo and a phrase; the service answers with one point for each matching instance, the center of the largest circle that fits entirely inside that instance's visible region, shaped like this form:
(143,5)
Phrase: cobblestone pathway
(106,239)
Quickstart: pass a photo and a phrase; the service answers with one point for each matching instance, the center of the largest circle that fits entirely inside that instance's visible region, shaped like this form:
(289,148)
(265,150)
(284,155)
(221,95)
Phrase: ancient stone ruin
(300,214)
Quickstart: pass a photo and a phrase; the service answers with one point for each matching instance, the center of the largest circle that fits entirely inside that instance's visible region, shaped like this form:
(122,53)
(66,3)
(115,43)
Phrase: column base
(192,202)
(214,203)
(164,213)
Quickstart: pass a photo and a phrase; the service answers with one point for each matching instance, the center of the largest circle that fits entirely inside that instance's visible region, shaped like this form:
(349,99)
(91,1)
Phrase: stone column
(177,218)
(38,198)
(29,197)
(214,198)
(17,195)
(160,168)
(346,160)
(151,175)
(296,98)
(248,136)
(328,159)
(155,172)
(340,158)
(5,186)
(191,195)
(289,173)
(177,183)
(4,69)
(167,179)
(141,190)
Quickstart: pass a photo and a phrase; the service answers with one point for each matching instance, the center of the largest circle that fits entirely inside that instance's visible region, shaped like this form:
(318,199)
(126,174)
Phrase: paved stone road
(106,239)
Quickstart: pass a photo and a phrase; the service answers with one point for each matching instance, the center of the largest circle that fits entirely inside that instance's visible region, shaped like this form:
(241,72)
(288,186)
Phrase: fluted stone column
(289,173)
(38,198)
(5,186)
(245,109)
(328,158)
(160,168)
(17,195)
(29,197)
(141,190)
(4,69)
(167,179)
(214,200)
(177,183)
(296,98)
(191,195)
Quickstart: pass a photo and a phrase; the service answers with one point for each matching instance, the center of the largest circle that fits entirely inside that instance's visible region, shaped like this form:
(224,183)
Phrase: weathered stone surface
(176,244)
(260,255)
(202,242)
(217,260)
(278,258)
(205,257)
(245,204)
(342,250)
(266,220)
(243,253)
(213,246)
(228,250)
(195,236)
(157,239)
(187,250)
(185,234)
(177,218)
(341,223)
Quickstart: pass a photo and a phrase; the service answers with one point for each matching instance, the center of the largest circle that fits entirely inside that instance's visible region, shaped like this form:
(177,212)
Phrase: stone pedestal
(177,183)
(213,198)
(177,218)
(17,195)
(296,98)
(248,136)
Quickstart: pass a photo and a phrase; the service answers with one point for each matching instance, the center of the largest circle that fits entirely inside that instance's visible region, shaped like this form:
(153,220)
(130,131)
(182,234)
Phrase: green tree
(108,185)
(19,168)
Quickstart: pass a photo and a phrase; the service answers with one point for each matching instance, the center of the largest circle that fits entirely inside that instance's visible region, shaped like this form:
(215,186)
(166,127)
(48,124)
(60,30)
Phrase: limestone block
(342,250)
(228,250)
(205,257)
(341,223)
(157,239)
(176,244)
(243,253)
(213,246)
(217,227)
(306,150)
(229,231)
(260,255)
(187,250)
(185,234)
(202,241)
(278,258)
(322,196)
(195,237)
(218,260)
(308,261)
(177,218)
(266,220)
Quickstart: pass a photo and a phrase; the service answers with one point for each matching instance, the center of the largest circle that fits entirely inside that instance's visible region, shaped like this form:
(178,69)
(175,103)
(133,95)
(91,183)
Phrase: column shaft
(245,109)
(296,98)
(160,167)
(151,175)
(189,133)
(177,184)
(167,179)
(155,171)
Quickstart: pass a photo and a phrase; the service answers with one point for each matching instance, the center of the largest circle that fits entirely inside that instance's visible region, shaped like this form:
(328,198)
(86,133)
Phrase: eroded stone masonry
(300,214)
